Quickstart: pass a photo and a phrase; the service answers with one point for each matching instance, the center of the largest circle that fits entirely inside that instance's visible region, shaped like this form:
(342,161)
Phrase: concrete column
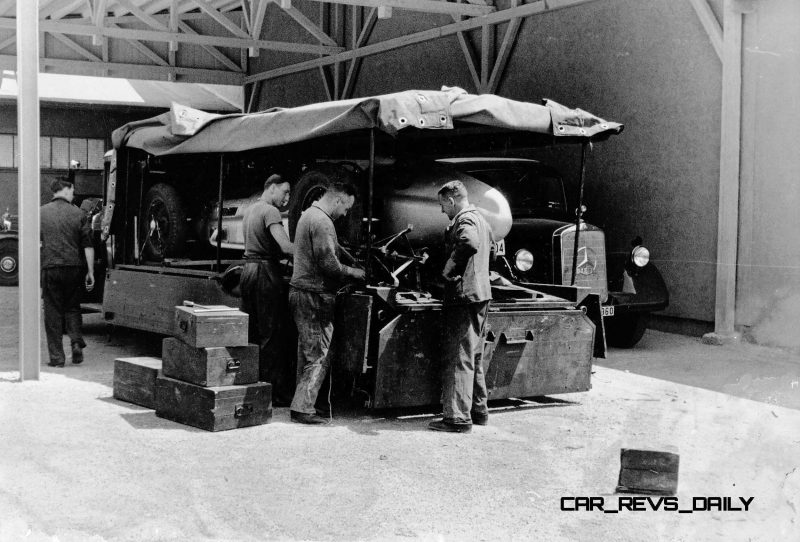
(730,143)
(30,331)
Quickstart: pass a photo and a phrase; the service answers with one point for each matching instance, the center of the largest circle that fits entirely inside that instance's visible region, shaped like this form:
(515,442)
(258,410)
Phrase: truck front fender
(635,289)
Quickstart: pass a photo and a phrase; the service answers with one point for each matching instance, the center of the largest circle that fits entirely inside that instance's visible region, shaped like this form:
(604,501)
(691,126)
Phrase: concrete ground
(78,465)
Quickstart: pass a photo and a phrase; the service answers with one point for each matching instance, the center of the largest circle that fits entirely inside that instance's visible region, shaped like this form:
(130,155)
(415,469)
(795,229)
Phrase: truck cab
(539,249)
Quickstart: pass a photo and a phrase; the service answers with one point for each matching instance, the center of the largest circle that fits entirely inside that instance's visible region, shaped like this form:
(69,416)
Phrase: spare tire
(310,188)
(9,261)
(162,224)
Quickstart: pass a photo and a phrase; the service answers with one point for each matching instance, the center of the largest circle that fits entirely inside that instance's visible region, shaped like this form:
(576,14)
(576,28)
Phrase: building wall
(62,121)
(768,277)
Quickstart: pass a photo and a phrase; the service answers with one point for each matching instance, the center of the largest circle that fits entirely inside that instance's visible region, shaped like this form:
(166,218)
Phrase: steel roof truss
(495,18)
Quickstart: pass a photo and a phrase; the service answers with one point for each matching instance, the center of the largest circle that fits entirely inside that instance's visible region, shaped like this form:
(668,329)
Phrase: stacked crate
(135,380)
(209,376)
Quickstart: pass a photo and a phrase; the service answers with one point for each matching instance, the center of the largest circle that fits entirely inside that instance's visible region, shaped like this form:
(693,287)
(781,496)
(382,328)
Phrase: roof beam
(257,13)
(131,19)
(498,17)
(503,55)
(146,51)
(173,26)
(142,16)
(469,56)
(425,6)
(213,51)
(60,9)
(710,24)
(135,71)
(76,47)
(247,8)
(306,23)
(155,35)
(355,65)
(8,41)
(98,16)
(221,19)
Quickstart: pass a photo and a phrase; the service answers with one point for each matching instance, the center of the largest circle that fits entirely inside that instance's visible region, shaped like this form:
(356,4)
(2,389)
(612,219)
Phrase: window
(56,152)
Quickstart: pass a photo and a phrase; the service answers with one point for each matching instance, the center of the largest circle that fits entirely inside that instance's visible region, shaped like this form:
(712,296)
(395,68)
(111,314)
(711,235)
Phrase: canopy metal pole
(370,210)
(30,326)
(219,212)
(579,212)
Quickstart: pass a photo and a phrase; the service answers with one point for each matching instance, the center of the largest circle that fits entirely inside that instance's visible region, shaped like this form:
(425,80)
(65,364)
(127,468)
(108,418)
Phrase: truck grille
(591,270)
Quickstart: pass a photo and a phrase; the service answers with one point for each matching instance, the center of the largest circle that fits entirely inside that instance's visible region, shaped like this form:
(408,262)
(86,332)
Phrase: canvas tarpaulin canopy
(183,130)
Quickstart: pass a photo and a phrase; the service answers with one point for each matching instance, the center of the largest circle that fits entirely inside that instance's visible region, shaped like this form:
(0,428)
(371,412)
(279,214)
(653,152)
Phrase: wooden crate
(648,471)
(213,409)
(135,380)
(202,327)
(210,366)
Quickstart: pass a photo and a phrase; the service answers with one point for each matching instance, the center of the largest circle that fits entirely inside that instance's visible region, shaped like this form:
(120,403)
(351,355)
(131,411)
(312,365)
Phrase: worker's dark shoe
(56,364)
(310,419)
(450,427)
(77,353)
(479,419)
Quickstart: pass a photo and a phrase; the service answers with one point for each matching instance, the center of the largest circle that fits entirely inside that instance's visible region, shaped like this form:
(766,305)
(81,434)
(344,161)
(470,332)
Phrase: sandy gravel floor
(78,465)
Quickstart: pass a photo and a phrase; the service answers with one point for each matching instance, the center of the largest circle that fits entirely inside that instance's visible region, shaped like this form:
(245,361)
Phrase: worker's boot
(77,353)
(450,427)
(480,418)
(309,419)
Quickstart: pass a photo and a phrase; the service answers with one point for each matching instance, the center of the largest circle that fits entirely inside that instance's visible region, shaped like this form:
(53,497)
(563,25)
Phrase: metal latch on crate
(243,410)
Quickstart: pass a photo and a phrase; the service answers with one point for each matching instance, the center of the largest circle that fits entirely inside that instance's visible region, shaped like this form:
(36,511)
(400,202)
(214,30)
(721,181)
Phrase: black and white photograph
(399,270)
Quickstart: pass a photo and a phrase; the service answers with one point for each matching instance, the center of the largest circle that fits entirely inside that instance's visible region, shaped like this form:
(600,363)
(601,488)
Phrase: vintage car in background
(9,249)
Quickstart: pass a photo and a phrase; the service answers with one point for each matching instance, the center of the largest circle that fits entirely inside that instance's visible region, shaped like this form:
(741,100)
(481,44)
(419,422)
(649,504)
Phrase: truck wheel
(162,224)
(625,331)
(312,185)
(9,262)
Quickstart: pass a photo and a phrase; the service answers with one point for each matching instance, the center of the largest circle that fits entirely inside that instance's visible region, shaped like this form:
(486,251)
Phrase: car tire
(9,262)
(312,185)
(164,206)
(625,331)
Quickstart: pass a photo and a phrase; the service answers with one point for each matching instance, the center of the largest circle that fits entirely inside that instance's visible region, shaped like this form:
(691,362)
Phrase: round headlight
(640,256)
(523,260)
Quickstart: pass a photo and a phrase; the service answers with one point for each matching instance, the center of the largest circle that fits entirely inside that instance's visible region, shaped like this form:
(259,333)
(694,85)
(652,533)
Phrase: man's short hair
(344,189)
(58,184)
(273,179)
(453,189)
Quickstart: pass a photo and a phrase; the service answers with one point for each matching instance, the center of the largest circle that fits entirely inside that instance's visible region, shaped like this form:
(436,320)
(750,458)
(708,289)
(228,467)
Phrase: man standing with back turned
(467,294)
(264,295)
(65,241)
(318,274)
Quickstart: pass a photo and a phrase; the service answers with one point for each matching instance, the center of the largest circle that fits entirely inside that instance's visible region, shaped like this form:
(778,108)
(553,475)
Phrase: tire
(9,262)
(312,185)
(163,205)
(625,331)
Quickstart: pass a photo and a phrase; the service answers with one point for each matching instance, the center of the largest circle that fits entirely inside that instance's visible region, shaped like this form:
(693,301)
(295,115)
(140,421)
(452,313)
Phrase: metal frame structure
(210,41)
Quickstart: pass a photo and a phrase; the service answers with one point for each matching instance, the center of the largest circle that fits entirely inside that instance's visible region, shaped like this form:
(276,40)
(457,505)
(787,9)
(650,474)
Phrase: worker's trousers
(313,314)
(62,288)
(264,299)
(463,379)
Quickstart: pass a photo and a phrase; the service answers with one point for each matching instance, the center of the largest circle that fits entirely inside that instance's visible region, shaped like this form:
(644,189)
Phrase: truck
(179,183)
